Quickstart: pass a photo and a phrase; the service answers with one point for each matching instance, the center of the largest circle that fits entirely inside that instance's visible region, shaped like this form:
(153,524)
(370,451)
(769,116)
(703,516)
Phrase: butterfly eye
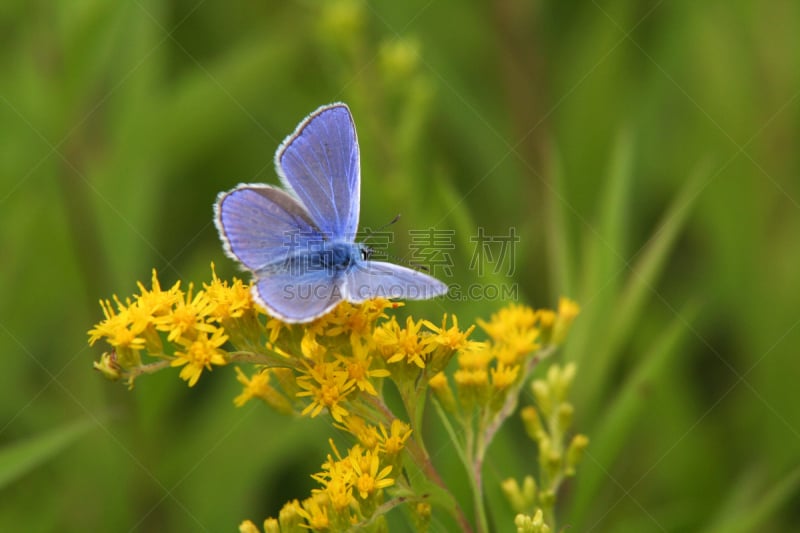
(366,253)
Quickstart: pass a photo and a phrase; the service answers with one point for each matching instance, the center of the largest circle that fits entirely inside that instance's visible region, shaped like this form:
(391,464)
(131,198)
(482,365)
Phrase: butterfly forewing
(319,162)
(260,225)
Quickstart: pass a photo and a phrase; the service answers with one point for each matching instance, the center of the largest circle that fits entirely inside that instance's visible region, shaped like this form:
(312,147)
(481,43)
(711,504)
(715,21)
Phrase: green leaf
(614,428)
(19,458)
(627,309)
(559,252)
(604,258)
(611,245)
(752,514)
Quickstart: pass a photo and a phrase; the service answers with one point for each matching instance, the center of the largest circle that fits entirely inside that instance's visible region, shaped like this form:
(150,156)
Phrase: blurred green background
(645,152)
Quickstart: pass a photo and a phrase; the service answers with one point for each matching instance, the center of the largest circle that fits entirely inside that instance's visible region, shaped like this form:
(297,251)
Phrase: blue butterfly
(299,242)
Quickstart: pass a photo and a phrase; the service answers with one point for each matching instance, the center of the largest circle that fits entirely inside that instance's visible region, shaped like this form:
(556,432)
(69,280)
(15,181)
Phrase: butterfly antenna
(394,258)
(370,232)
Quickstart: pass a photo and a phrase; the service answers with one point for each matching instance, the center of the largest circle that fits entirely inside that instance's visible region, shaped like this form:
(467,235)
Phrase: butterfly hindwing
(376,279)
(298,295)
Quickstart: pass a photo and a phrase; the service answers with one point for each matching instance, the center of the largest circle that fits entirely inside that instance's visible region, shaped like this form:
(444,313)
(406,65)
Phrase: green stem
(150,368)
(232,357)
(257,358)
(419,455)
(476,473)
(488,426)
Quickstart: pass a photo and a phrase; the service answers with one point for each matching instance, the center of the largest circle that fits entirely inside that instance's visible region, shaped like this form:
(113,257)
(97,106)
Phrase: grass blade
(613,429)
(753,514)
(19,458)
(628,307)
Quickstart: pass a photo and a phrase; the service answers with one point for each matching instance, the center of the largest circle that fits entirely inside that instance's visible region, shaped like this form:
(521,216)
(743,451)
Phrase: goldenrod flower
(311,348)
(328,386)
(357,321)
(438,381)
(258,386)
(367,478)
(358,369)
(407,344)
(367,435)
(155,302)
(188,317)
(340,494)
(315,511)
(508,321)
(452,338)
(503,376)
(227,301)
(116,327)
(336,479)
(516,345)
(393,441)
(477,357)
(123,337)
(547,317)
(274,328)
(200,353)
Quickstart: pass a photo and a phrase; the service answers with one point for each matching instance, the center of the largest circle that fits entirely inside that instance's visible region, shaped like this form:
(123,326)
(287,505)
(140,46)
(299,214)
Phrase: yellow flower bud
(271,526)
(248,527)
(535,524)
(567,311)
(575,452)
(342,20)
(441,388)
(399,58)
(473,387)
(421,513)
(520,499)
(290,517)
(532,422)
(562,381)
(541,391)
(107,365)
(565,414)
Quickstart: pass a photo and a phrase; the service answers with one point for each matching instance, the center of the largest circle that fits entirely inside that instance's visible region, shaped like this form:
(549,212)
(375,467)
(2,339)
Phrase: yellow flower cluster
(180,329)
(548,425)
(351,486)
(337,365)
(489,371)
(338,361)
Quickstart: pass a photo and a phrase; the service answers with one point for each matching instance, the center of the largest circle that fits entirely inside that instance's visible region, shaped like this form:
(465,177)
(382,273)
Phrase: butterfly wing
(319,164)
(260,225)
(295,293)
(376,279)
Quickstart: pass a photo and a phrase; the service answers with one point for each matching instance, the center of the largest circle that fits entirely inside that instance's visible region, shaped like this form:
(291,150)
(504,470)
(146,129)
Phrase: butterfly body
(299,243)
